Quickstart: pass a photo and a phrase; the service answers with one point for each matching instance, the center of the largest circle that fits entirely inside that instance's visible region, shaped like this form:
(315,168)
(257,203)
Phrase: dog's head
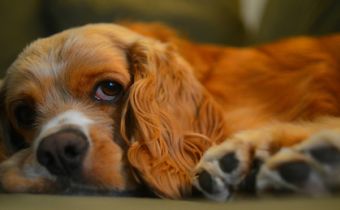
(105,107)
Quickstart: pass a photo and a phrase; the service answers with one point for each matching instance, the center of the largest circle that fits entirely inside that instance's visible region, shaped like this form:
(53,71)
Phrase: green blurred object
(206,21)
(20,24)
(285,18)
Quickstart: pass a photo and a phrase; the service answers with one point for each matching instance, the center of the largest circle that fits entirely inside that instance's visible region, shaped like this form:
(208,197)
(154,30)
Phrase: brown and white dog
(103,107)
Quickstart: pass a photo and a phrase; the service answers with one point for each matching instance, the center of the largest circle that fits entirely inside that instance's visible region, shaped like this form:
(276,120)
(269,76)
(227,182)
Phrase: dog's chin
(71,187)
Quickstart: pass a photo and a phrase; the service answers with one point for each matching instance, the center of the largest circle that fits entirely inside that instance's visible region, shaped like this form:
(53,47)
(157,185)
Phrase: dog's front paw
(223,168)
(21,173)
(311,167)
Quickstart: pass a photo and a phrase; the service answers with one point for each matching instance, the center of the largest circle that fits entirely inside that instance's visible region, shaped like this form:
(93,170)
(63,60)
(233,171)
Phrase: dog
(112,108)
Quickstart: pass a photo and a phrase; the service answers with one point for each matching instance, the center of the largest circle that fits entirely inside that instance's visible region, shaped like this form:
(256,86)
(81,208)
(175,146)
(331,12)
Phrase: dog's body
(143,112)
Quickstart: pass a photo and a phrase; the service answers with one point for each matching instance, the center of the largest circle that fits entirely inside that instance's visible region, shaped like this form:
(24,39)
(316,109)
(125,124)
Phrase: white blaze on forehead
(70,117)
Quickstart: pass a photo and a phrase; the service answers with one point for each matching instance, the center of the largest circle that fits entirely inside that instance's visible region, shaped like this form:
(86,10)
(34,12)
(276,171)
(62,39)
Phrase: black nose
(62,153)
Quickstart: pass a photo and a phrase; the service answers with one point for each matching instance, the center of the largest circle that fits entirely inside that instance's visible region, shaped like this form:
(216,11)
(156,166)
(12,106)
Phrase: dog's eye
(108,91)
(25,115)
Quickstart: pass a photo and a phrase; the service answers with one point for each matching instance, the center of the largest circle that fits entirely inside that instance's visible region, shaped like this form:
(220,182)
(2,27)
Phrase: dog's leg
(300,157)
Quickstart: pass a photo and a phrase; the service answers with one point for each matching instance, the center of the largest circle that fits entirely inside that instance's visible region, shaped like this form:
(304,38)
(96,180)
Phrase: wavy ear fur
(169,119)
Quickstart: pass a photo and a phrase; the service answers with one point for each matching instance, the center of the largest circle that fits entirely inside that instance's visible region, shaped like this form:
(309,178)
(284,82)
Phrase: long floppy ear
(10,141)
(169,119)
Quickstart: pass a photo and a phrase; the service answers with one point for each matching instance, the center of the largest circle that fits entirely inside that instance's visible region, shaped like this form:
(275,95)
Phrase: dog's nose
(62,153)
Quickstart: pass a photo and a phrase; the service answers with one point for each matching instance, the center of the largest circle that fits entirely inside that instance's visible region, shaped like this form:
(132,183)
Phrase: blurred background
(229,22)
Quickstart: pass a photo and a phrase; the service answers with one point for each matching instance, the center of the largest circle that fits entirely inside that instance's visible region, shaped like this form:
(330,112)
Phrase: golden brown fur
(181,98)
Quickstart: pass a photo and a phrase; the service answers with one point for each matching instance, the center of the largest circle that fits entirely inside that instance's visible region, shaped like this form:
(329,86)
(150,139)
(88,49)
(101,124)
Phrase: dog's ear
(169,119)
(10,141)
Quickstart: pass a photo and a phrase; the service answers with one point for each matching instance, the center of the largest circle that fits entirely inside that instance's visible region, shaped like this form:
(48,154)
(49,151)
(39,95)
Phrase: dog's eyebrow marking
(70,117)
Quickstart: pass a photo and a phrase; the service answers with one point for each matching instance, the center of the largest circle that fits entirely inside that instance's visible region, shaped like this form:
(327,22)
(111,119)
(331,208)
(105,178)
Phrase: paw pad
(295,173)
(206,182)
(228,163)
(327,155)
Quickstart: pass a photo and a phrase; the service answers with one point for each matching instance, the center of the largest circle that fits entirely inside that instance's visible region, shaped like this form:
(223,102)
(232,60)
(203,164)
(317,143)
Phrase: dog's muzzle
(63,152)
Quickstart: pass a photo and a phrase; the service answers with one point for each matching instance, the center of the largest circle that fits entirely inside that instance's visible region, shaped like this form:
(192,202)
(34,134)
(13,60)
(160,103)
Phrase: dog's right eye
(25,115)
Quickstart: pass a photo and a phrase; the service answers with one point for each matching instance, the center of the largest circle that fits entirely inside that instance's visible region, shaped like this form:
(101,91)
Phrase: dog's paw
(311,167)
(222,169)
(21,173)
